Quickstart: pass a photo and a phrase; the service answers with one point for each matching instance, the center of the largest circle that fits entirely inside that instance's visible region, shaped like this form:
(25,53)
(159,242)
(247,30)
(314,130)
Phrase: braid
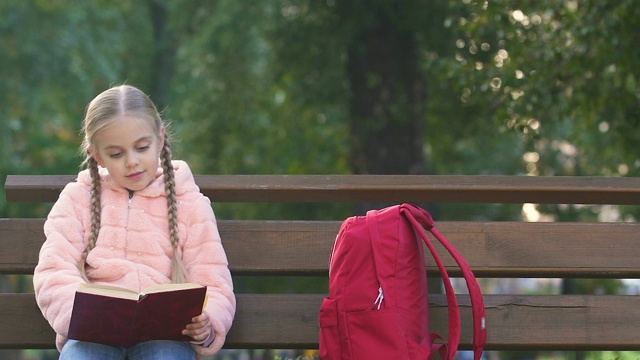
(179,273)
(95,214)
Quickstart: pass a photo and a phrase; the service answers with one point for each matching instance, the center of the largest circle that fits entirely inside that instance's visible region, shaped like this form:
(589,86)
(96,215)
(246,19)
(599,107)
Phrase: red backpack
(377,306)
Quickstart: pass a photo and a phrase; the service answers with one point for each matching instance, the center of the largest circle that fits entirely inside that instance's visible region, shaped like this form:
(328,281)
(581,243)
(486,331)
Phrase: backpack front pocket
(330,348)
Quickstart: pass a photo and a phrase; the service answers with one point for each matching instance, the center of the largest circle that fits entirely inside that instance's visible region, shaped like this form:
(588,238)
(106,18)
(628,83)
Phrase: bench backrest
(499,251)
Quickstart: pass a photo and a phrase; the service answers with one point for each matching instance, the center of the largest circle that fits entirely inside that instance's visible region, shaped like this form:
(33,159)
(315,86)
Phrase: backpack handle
(421,215)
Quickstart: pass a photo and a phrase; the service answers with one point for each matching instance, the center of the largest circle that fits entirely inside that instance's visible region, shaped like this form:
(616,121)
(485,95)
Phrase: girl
(133,218)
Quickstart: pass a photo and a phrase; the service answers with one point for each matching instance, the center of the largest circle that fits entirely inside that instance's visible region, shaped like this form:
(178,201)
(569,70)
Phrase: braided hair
(179,273)
(101,112)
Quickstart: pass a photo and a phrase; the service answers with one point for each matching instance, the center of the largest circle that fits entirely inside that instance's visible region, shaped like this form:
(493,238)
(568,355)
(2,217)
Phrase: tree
(553,73)
(57,56)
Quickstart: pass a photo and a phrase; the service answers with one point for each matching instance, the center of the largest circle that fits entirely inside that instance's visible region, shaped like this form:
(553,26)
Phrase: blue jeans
(150,350)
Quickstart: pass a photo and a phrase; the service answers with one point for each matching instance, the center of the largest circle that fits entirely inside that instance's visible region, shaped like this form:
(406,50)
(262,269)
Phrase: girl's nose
(132,160)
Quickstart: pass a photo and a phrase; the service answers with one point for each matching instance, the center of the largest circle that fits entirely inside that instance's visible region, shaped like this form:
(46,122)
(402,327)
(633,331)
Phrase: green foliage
(560,74)
(265,119)
(540,88)
(56,57)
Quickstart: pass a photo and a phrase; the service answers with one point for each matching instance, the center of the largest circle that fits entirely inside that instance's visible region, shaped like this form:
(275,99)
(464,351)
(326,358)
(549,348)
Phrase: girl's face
(129,149)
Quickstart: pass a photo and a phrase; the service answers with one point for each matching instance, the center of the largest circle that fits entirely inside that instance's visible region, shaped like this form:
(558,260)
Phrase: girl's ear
(96,156)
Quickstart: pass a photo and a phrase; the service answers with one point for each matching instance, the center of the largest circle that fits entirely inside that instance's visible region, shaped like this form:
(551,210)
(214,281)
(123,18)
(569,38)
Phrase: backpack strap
(451,346)
(448,349)
(421,220)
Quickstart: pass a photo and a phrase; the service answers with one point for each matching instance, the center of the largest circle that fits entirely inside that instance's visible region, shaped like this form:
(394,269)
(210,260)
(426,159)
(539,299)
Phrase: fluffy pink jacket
(133,249)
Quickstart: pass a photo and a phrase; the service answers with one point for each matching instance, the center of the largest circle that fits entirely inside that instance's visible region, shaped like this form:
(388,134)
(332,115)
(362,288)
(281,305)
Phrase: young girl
(133,218)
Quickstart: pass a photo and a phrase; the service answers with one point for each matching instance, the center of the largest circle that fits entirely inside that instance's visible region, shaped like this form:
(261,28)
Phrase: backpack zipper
(380,297)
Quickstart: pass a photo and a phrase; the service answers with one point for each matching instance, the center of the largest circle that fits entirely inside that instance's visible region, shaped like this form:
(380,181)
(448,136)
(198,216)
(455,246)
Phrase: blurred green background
(541,87)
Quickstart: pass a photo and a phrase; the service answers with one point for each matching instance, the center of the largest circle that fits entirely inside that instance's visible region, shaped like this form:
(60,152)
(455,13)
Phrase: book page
(169,287)
(107,290)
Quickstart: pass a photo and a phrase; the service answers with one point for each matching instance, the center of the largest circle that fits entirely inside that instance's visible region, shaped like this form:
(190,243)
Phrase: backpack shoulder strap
(422,220)
(451,347)
(447,348)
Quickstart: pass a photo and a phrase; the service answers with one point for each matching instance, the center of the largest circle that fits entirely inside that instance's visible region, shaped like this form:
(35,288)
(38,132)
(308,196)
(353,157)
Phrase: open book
(121,317)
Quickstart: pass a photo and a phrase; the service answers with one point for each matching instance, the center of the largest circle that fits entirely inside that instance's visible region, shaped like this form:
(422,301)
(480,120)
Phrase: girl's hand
(199,329)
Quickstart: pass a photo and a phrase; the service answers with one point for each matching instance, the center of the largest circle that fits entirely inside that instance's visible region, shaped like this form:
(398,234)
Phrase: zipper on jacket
(130,198)
(126,246)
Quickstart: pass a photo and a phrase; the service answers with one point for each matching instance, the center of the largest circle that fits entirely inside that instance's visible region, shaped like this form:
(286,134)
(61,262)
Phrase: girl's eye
(115,155)
(143,148)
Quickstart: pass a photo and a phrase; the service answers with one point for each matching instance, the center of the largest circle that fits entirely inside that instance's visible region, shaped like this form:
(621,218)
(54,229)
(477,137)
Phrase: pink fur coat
(133,249)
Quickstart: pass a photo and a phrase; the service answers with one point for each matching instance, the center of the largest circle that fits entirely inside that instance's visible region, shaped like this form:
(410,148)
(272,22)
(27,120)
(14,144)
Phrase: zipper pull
(380,297)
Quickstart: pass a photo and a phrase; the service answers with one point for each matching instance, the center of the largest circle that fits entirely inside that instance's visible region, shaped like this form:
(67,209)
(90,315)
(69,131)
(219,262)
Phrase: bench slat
(377,188)
(515,322)
(493,249)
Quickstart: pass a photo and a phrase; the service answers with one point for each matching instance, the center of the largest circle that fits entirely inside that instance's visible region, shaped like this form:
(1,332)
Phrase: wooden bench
(501,250)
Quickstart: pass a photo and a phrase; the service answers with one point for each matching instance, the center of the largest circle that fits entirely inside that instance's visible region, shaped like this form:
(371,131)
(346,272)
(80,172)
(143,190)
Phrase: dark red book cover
(121,318)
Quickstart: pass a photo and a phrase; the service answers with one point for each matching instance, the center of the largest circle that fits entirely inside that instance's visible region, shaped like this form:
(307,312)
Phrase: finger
(198,323)
(204,317)
(197,329)
(197,335)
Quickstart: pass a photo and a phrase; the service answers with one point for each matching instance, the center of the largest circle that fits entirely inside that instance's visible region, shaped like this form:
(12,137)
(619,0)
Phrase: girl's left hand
(199,329)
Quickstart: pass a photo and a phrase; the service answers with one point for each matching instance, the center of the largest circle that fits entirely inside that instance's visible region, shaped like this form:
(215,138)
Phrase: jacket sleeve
(206,262)
(56,277)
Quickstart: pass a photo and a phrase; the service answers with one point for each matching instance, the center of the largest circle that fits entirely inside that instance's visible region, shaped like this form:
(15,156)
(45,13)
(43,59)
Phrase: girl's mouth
(135,176)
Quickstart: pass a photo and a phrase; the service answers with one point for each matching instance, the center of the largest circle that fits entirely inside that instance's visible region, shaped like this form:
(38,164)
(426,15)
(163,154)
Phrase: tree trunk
(388,94)
(164,55)
(387,108)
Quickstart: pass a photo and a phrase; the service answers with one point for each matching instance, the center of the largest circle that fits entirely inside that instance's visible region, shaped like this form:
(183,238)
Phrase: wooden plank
(22,325)
(377,188)
(20,241)
(515,322)
(35,188)
(493,249)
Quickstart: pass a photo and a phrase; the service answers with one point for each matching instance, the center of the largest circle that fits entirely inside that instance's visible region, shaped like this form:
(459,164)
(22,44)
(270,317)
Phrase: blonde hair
(101,112)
